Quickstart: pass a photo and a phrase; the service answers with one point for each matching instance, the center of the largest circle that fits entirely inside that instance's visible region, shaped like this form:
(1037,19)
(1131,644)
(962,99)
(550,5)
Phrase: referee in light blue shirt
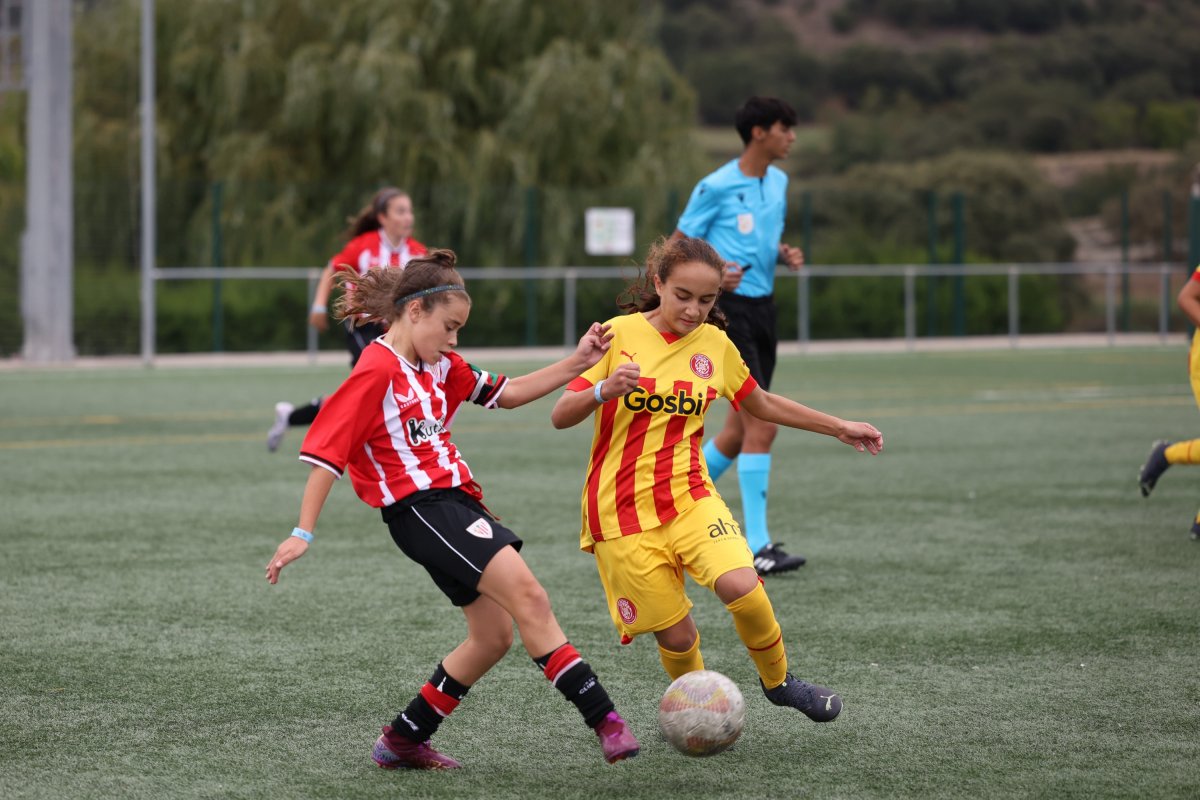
(740,209)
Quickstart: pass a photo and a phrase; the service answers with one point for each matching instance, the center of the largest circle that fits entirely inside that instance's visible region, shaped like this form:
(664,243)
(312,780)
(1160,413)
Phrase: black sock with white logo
(440,695)
(572,676)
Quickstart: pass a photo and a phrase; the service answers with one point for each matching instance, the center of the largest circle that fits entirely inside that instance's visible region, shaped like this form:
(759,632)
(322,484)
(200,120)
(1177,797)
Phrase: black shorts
(358,337)
(752,328)
(451,535)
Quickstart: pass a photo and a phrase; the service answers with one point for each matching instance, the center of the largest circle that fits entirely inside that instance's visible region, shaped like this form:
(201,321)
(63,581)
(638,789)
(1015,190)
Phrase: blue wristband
(300,533)
(596,392)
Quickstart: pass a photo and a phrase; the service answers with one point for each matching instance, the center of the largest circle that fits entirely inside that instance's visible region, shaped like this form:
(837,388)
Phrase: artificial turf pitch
(1002,612)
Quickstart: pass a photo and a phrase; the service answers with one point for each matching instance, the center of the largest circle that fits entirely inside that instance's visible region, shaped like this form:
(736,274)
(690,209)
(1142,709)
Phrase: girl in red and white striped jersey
(380,236)
(388,425)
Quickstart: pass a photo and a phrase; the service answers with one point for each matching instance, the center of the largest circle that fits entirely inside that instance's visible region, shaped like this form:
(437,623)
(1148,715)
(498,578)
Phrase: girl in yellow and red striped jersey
(650,510)
(1164,453)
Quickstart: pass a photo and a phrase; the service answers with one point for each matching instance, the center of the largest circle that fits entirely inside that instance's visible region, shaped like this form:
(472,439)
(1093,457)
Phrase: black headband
(445,287)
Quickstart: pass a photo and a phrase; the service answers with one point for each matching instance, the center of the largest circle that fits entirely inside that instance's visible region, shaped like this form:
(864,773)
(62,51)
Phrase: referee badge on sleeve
(481,528)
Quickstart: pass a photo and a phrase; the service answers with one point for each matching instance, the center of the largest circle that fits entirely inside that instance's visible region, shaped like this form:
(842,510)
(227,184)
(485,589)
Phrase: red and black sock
(572,676)
(440,695)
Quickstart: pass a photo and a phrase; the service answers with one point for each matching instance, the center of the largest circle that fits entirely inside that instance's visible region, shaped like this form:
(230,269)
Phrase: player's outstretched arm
(318,315)
(527,388)
(316,490)
(573,408)
(862,436)
(1189,301)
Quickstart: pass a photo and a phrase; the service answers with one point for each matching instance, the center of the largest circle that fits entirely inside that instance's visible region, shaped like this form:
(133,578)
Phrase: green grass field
(1003,613)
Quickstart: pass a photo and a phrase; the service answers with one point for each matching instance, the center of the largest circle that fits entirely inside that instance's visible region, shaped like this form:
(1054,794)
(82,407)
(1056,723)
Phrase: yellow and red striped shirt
(646,465)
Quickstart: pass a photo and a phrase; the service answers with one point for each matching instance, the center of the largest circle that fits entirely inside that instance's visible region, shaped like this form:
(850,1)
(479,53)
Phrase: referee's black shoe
(772,560)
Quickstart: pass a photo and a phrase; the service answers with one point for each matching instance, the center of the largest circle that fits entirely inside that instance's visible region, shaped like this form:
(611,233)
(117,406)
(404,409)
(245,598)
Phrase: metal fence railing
(1113,279)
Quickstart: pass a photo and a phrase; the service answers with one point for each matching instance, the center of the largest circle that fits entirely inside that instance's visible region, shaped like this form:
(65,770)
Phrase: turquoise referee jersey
(742,217)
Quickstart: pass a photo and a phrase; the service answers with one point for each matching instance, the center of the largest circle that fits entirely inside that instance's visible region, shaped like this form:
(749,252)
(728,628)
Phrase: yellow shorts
(642,573)
(1194,365)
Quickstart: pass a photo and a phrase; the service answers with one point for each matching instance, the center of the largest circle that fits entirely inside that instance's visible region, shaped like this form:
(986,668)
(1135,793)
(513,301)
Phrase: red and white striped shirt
(389,423)
(372,249)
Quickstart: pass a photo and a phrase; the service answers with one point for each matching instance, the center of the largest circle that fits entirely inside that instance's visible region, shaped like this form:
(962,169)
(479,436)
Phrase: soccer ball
(701,713)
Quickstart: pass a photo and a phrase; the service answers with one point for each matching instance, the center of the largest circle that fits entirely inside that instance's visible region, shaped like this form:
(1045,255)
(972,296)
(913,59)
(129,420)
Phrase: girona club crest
(627,610)
(702,366)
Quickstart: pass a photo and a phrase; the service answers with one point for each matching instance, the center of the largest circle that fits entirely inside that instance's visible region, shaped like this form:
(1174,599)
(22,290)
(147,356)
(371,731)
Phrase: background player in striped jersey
(1163,453)
(379,236)
(650,510)
(389,425)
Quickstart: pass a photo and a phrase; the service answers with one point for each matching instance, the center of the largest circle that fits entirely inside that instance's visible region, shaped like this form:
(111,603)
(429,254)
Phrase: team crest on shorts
(627,610)
(480,528)
(702,366)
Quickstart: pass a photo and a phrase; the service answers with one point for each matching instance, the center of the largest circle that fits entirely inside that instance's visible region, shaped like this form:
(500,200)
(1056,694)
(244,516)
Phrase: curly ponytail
(382,293)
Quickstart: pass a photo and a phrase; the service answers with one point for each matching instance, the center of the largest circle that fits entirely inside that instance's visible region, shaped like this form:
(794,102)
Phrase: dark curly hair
(376,293)
(664,255)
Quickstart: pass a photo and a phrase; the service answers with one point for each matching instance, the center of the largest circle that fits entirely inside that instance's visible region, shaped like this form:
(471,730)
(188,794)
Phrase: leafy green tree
(300,109)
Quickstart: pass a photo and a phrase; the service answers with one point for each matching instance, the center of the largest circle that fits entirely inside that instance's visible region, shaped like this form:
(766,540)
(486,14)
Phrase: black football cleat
(1156,464)
(815,702)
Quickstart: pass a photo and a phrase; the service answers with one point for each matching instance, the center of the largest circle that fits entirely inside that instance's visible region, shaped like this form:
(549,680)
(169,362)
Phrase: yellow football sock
(758,629)
(1184,452)
(677,664)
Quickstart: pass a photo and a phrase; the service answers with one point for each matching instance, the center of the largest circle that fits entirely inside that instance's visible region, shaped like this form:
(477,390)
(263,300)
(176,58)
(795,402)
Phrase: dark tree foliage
(300,109)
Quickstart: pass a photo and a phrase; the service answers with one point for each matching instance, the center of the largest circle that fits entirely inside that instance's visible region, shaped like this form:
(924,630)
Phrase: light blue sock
(754,476)
(717,461)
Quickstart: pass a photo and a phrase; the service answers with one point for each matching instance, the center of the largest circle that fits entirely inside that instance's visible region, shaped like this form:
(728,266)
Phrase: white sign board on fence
(608,231)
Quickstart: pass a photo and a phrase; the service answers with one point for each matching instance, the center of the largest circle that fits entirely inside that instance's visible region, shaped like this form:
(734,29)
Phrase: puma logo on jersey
(630,356)
(681,403)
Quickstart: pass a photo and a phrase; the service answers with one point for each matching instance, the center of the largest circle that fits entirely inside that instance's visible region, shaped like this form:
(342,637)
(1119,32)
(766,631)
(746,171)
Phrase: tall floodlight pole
(47,251)
(148,176)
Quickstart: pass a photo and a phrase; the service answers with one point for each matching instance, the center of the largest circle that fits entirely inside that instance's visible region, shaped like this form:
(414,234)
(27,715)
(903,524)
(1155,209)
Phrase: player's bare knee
(678,638)
(531,602)
(735,584)
(677,641)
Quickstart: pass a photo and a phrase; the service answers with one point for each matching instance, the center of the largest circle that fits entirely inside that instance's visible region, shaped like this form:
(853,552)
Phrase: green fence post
(1168,234)
(218,323)
(931,281)
(1125,260)
(960,302)
(806,225)
(1164,301)
(531,257)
